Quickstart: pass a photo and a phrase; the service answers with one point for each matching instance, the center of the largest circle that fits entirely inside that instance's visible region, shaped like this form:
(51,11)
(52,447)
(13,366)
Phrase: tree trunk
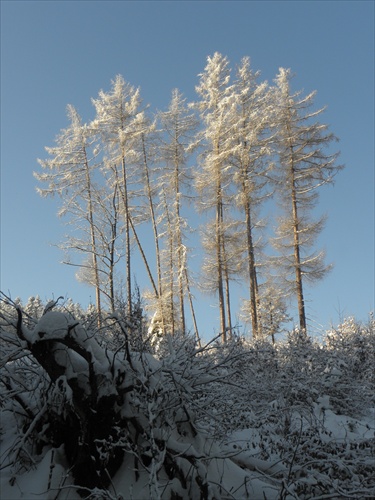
(180,260)
(219,259)
(154,228)
(297,260)
(227,301)
(127,233)
(112,248)
(170,266)
(227,289)
(93,415)
(192,308)
(93,237)
(296,243)
(253,282)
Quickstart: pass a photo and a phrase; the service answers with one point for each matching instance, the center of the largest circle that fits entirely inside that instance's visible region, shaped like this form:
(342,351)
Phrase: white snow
(53,325)
(294,422)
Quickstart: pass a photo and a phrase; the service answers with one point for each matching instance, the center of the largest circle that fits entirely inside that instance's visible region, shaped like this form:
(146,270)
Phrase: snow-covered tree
(212,177)
(273,308)
(120,122)
(148,153)
(251,161)
(33,310)
(305,164)
(175,145)
(69,173)
(109,244)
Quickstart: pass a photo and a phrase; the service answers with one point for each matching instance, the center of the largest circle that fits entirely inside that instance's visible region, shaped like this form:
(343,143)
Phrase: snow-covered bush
(354,345)
(93,412)
(296,410)
(82,420)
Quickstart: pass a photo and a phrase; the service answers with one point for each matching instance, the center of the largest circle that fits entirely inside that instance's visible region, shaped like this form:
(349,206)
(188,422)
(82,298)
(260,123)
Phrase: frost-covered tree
(119,121)
(175,145)
(212,177)
(305,164)
(251,162)
(110,246)
(273,308)
(33,310)
(232,181)
(69,173)
(148,154)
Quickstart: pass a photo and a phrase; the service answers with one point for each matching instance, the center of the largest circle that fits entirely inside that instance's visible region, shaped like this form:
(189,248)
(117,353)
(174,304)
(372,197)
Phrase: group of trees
(240,144)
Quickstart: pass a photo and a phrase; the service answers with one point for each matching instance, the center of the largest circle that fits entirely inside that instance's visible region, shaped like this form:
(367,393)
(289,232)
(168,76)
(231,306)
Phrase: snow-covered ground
(244,420)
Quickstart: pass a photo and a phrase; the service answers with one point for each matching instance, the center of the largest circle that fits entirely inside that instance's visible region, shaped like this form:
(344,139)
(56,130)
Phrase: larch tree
(251,161)
(69,173)
(167,254)
(149,209)
(273,307)
(305,164)
(119,121)
(175,145)
(231,245)
(110,245)
(212,178)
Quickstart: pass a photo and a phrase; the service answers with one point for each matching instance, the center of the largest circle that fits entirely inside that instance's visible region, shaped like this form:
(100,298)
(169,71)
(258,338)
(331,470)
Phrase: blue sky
(59,53)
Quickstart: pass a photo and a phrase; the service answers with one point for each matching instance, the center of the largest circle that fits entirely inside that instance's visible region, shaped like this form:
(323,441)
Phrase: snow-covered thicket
(99,414)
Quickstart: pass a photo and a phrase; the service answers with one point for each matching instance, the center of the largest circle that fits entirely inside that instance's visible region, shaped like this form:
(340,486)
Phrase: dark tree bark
(93,416)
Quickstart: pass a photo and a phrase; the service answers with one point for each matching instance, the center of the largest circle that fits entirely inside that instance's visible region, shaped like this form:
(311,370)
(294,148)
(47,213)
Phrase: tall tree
(216,98)
(168,260)
(177,126)
(119,120)
(69,174)
(251,160)
(147,155)
(305,164)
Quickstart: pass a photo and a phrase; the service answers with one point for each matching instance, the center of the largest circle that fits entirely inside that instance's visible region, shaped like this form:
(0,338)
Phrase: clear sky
(58,53)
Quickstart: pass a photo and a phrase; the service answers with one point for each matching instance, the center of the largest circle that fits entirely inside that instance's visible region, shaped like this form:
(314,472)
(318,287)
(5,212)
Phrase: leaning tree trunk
(75,361)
